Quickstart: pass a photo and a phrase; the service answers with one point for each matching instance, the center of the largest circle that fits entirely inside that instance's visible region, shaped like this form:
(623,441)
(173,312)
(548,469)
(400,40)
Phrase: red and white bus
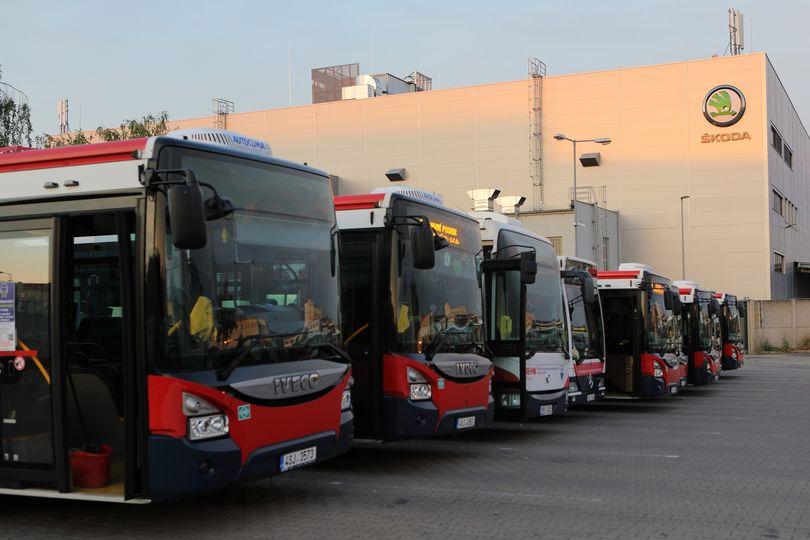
(169,319)
(701,329)
(586,336)
(732,317)
(642,332)
(412,315)
(525,320)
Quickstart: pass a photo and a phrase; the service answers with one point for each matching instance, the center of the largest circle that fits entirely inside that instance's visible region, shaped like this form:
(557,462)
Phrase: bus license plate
(590,397)
(466,422)
(674,390)
(546,410)
(298,458)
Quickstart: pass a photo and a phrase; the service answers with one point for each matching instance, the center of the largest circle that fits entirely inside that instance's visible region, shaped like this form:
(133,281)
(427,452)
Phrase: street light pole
(576,221)
(683,241)
(598,140)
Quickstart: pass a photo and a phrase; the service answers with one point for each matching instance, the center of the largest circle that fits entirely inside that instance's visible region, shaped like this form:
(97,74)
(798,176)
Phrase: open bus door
(504,286)
(67,364)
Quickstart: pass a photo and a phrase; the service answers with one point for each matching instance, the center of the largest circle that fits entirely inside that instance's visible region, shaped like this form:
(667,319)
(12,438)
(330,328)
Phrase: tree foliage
(15,117)
(151,125)
(65,139)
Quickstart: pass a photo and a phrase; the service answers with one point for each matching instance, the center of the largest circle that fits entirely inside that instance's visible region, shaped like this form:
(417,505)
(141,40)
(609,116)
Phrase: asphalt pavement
(730,460)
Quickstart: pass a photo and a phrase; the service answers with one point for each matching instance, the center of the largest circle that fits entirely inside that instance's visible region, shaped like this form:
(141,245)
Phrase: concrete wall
(778,322)
(792,183)
(456,139)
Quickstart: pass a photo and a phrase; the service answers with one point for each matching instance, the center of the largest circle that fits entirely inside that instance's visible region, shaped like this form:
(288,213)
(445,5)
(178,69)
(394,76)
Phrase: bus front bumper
(588,391)
(181,468)
(655,387)
(730,363)
(407,419)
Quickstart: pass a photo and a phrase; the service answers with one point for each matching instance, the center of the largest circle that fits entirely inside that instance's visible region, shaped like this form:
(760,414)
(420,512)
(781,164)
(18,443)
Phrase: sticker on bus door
(8,337)
(8,325)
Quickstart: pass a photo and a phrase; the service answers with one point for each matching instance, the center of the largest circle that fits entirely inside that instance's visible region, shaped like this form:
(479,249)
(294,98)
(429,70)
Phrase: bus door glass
(359,315)
(26,434)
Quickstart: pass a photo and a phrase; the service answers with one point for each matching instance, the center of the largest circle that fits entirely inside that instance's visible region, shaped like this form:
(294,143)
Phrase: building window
(778,203)
(776,140)
(791,215)
(781,147)
(778,262)
(556,243)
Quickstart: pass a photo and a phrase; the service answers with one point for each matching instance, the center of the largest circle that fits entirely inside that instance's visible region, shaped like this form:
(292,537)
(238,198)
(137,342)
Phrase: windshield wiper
(226,372)
(315,347)
(434,345)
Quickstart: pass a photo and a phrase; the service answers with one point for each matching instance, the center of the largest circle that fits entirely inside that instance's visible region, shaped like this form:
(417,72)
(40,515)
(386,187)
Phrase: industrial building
(705,176)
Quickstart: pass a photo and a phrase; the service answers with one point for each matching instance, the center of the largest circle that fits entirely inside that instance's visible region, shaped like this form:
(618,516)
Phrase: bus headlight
(657,371)
(207,427)
(573,387)
(419,387)
(346,400)
(509,400)
(193,405)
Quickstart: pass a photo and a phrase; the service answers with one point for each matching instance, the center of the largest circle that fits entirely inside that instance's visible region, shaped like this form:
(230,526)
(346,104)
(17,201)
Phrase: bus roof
(383,197)
(66,156)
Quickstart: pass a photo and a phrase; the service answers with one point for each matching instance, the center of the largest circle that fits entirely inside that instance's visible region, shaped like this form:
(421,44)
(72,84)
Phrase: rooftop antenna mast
(222,108)
(736,36)
(62,109)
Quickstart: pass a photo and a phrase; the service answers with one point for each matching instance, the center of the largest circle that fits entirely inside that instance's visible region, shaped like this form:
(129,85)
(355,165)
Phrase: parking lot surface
(731,460)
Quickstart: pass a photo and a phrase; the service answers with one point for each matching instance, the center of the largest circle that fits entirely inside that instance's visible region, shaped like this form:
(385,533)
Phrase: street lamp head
(602,140)
(560,137)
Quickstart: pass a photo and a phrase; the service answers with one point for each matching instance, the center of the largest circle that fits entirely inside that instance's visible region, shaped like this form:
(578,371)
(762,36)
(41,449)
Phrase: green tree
(65,139)
(15,116)
(149,126)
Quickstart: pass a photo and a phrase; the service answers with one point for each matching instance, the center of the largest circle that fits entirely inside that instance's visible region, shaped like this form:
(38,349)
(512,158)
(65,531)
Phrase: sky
(116,60)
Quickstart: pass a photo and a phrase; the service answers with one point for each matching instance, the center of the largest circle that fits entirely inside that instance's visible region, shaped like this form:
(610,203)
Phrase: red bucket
(91,470)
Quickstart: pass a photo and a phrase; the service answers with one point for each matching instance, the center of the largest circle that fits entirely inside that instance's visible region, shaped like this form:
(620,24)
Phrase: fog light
(207,427)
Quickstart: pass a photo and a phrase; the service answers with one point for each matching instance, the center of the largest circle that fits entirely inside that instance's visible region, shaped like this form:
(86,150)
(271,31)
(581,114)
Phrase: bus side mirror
(528,267)
(423,248)
(187,215)
(588,291)
(668,300)
(676,304)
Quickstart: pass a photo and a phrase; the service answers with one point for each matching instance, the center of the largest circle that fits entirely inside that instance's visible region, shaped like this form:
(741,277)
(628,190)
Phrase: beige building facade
(663,148)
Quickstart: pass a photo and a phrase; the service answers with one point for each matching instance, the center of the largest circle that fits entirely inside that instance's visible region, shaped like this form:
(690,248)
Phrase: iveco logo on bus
(295,384)
(467,368)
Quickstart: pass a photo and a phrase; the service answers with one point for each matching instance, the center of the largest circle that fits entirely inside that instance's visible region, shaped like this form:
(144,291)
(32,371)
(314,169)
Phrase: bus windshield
(707,324)
(544,312)
(436,310)
(264,280)
(663,334)
(586,322)
(732,315)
